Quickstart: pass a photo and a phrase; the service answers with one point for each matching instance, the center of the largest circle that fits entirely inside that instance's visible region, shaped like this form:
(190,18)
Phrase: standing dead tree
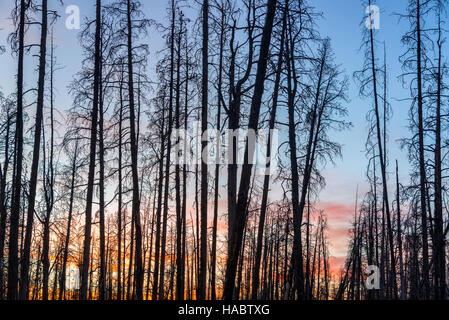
(18,44)
(241,210)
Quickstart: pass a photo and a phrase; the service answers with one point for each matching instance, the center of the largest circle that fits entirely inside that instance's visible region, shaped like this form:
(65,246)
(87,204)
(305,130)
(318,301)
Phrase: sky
(340,22)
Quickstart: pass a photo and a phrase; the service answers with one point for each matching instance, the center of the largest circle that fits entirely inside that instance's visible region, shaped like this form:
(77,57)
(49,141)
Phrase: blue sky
(341,22)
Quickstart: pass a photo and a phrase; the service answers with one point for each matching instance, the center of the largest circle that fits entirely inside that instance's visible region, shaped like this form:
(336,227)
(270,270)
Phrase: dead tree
(204,174)
(62,279)
(266,182)
(161,287)
(3,190)
(92,156)
(23,291)
(369,86)
(439,250)
(18,40)
(134,152)
(242,203)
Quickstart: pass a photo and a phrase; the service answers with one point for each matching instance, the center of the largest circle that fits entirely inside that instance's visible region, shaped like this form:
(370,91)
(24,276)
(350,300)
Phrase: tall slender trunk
(49,183)
(13,257)
(307,276)
(386,204)
(242,203)
(45,256)
(150,256)
(204,183)
(62,279)
(36,288)
(285,262)
(398,213)
(266,182)
(197,225)
(55,276)
(24,279)
(135,174)
(440,247)
(129,295)
(168,159)
(124,256)
(297,259)
(422,166)
(217,158)
(92,158)
(3,204)
(120,192)
(179,222)
(102,276)
(326,268)
(159,210)
(184,167)
(315,128)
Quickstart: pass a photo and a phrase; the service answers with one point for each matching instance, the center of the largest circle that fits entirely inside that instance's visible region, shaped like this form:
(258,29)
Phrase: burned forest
(224,150)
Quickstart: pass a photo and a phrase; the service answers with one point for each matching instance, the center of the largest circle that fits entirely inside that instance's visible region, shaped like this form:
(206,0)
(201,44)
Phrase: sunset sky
(341,22)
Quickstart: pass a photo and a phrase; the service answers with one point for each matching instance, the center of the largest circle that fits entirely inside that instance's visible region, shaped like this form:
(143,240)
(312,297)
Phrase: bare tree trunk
(159,211)
(165,215)
(307,276)
(440,247)
(168,159)
(36,288)
(120,192)
(184,168)
(124,292)
(135,174)
(49,183)
(150,256)
(326,268)
(422,168)
(62,279)
(13,259)
(392,280)
(241,212)
(179,222)
(130,262)
(266,182)
(24,272)
(3,204)
(285,262)
(102,276)
(91,271)
(398,213)
(45,257)
(197,226)
(92,156)
(297,260)
(217,166)
(204,183)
